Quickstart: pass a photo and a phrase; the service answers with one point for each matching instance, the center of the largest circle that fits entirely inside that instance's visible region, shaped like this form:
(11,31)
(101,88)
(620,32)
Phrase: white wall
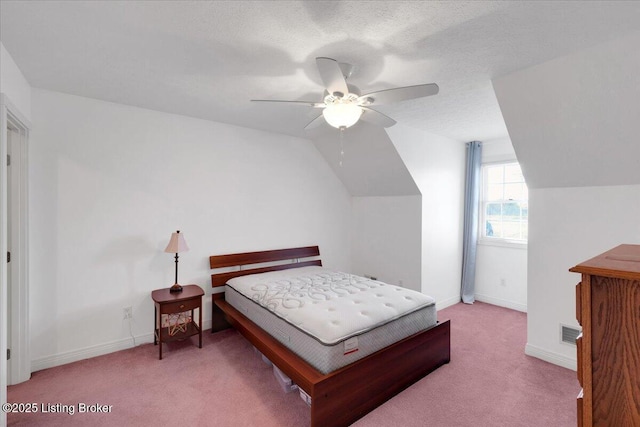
(501,270)
(386,239)
(573,122)
(501,276)
(16,90)
(568,226)
(498,150)
(110,183)
(437,165)
(369,165)
(13,83)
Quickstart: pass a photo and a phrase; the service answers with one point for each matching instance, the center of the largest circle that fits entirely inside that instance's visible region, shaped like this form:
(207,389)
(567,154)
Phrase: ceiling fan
(343,105)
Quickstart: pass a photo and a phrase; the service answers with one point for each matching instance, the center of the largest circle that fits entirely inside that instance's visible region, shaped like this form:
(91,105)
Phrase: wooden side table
(174,304)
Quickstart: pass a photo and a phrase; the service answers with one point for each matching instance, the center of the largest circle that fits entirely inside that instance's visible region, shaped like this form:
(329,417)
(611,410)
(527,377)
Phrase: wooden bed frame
(346,395)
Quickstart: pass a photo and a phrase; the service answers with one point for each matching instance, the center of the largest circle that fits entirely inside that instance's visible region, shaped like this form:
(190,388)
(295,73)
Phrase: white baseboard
(87,352)
(447,303)
(501,302)
(96,350)
(548,356)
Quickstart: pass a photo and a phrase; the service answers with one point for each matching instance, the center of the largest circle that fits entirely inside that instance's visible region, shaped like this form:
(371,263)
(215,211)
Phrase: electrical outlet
(127,313)
(503,282)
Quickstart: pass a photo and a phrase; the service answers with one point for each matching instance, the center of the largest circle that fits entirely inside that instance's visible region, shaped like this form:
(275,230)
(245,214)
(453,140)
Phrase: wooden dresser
(608,309)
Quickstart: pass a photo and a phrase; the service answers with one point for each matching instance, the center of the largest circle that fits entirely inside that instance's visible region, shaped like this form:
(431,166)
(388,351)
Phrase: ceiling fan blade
(304,103)
(331,75)
(377,118)
(315,123)
(398,94)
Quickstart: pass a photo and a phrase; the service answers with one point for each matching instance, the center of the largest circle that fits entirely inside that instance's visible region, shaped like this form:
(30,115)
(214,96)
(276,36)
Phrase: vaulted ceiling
(573,121)
(207,59)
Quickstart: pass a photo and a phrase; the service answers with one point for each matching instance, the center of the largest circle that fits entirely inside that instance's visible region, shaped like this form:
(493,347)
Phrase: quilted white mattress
(328,318)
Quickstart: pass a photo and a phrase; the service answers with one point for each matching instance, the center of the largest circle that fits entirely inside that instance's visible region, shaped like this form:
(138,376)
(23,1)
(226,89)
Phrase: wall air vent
(569,334)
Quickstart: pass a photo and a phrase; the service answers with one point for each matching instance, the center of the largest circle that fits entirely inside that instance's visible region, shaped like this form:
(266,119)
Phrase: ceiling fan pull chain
(341,144)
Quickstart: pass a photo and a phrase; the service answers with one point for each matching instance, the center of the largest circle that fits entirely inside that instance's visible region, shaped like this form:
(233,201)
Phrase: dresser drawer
(179,306)
(579,303)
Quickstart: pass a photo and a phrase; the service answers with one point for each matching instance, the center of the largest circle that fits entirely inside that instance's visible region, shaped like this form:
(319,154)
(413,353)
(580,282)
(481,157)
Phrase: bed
(339,394)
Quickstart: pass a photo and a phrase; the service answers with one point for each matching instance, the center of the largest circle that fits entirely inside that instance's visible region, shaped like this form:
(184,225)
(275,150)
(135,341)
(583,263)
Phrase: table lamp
(175,246)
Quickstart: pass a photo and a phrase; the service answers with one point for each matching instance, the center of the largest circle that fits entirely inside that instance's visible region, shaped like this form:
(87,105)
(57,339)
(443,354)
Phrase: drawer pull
(579,303)
(181,305)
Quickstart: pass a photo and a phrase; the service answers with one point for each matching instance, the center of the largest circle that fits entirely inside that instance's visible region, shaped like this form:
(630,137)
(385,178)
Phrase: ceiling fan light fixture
(343,104)
(342,115)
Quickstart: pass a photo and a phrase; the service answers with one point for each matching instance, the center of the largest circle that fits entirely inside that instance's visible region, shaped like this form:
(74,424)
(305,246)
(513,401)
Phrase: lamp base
(175,288)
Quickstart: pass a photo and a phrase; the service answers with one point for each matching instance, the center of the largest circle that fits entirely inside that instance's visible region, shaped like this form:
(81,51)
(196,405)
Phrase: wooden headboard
(249,258)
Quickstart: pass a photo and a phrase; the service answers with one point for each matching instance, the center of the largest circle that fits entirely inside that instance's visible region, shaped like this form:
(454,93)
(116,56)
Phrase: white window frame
(482,238)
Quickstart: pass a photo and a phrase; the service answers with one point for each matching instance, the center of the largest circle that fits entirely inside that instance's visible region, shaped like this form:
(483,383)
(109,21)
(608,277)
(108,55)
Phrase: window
(505,205)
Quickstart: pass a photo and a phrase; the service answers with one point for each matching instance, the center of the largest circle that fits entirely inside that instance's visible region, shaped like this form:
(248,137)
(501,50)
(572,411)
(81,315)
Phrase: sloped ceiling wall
(575,121)
(371,166)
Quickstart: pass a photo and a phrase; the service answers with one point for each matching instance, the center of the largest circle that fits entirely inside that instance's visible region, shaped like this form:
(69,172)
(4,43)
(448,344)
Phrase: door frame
(19,367)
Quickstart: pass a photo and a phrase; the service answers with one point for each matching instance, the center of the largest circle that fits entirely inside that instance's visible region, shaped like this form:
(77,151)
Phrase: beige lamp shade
(177,244)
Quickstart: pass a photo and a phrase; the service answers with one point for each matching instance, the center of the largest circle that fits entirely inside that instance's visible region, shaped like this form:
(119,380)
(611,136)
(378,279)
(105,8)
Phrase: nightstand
(176,306)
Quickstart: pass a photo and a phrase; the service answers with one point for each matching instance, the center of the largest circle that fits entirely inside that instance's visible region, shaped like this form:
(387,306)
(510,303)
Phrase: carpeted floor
(489,382)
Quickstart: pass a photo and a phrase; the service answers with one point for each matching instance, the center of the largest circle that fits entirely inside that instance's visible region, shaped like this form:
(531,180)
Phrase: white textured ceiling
(208,59)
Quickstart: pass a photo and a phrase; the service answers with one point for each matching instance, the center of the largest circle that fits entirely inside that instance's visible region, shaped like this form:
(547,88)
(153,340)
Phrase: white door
(19,363)
(10,138)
